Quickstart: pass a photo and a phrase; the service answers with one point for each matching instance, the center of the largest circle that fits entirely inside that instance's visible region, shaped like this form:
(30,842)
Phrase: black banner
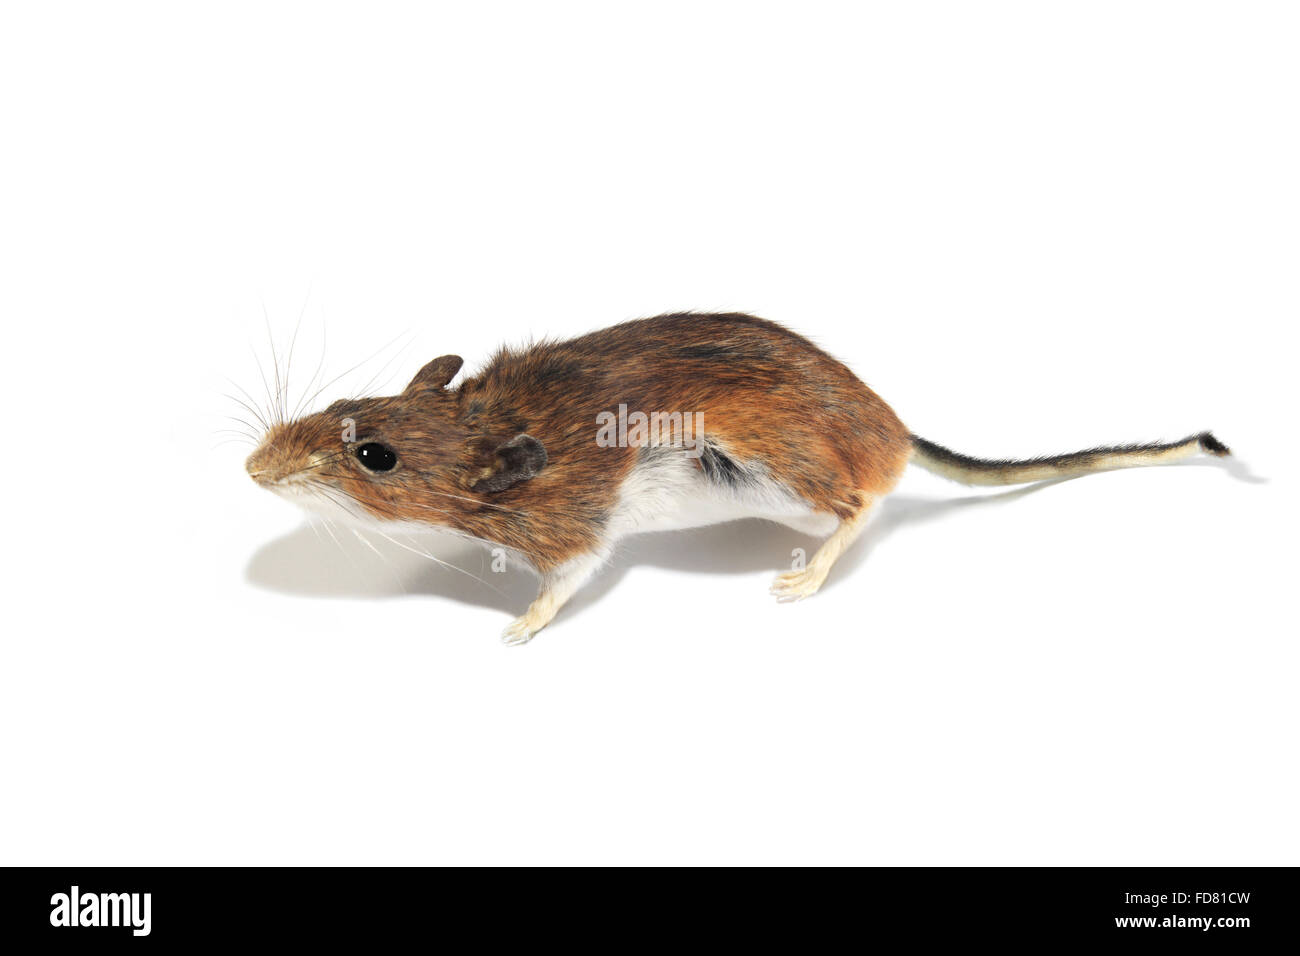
(1223,908)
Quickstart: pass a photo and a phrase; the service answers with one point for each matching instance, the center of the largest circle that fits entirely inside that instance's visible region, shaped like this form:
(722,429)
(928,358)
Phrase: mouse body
(557,450)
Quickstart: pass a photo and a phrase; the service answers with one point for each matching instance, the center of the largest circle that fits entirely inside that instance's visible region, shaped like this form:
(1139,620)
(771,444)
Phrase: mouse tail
(983,471)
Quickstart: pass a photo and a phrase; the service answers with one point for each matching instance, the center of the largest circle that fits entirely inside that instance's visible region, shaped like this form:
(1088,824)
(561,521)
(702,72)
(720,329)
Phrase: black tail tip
(1213,446)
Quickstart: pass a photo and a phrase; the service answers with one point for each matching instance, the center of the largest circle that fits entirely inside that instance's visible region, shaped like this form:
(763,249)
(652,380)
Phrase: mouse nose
(258,467)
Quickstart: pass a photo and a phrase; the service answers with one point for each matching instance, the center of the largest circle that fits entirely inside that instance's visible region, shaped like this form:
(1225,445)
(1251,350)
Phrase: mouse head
(411,457)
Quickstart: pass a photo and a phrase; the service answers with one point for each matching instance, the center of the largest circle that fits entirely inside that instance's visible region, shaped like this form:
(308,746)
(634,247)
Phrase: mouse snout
(268,467)
(273,465)
(259,467)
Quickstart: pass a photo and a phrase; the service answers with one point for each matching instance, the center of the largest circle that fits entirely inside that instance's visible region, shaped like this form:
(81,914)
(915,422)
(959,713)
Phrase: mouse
(555,451)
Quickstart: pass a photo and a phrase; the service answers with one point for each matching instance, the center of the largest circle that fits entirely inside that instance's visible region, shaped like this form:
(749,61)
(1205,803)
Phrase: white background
(1031,227)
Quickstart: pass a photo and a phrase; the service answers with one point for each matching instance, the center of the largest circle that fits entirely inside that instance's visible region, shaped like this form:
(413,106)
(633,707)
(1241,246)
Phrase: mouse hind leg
(853,484)
(797,585)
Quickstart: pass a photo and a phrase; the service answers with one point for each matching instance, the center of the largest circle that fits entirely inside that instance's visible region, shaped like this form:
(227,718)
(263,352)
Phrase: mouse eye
(377,457)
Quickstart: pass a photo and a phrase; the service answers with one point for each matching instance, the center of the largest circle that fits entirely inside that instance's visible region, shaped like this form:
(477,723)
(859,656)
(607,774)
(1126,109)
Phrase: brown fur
(768,396)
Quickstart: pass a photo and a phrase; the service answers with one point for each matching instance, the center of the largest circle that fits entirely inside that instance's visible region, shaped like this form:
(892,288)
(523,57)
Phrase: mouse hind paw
(805,582)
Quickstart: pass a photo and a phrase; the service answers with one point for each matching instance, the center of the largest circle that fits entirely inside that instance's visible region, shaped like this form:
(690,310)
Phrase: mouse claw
(520,631)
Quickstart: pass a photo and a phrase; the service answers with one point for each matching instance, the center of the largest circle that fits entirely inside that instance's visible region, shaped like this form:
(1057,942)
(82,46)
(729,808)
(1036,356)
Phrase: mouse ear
(436,374)
(517,460)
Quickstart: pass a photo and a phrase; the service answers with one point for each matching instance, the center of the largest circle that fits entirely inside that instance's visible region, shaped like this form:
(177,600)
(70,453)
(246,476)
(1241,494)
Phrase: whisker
(383,557)
(365,507)
(266,386)
(319,365)
(231,421)
(476,501)
(327,524)
(250,409)
(312,523)
(432,491)
(275,361)
(288,362)
(326,493)
(445,564)
(396,355)
(247,424)
(355,367)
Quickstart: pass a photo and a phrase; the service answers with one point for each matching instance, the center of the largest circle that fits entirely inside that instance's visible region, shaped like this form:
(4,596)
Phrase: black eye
(377,457)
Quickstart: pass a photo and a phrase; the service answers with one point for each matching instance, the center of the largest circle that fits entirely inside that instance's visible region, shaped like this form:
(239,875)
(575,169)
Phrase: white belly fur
(668,491)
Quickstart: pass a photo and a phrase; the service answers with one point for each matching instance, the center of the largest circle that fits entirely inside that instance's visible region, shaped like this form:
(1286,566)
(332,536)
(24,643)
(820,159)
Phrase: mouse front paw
(797,585)
(520,631)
